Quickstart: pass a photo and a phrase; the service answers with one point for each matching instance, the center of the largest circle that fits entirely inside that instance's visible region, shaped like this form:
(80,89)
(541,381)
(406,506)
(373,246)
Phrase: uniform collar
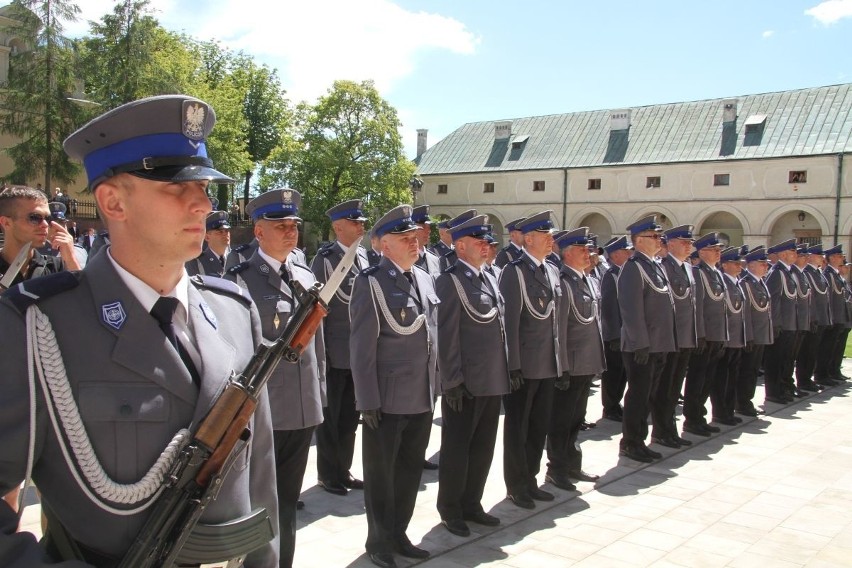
(534,260)
(273,264)
(147,296)
(475,270)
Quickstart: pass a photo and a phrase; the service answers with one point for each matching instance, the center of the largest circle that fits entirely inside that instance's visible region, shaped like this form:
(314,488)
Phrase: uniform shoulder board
(221,285)
(31,292)
(517,262)
(370,270)
(450,268)
(326,249)
(237,268)
(552,262)
(448,253)
(241,247)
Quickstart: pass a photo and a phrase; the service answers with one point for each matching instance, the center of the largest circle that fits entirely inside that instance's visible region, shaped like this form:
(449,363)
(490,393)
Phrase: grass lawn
(848,352)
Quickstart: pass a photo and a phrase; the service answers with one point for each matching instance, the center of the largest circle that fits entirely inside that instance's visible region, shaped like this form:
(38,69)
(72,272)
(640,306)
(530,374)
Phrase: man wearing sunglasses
(26,218)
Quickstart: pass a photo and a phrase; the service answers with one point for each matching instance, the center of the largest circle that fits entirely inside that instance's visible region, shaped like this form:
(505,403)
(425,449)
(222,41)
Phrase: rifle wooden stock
(307,330)
(236,430)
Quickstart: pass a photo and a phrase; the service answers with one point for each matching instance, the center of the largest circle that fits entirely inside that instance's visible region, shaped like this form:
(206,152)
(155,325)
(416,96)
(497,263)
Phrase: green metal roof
(804,122)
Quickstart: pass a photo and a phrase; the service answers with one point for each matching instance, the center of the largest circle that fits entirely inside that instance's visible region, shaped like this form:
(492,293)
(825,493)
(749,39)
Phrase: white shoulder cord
(685,295)
(730,303)
(709,290)
(580,319)
(757,307)
(383,305)
(790,295)
(533,312)
(814,285)
(46,361)
(798,280)
(474,314)
(837,291)
(646,278)
(341,295)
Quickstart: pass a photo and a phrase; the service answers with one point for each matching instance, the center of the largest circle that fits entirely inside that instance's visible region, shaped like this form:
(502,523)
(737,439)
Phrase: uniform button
(125,410)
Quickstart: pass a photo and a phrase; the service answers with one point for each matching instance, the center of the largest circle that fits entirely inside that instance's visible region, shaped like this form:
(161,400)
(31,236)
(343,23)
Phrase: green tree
(37,102)
(345,146)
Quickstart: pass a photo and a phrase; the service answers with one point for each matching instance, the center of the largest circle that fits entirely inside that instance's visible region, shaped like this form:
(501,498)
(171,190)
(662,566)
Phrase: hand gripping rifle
(168,538)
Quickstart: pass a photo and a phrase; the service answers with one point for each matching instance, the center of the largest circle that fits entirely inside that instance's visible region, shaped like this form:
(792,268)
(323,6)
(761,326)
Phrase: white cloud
(830,11)
(767,34)
(313,42)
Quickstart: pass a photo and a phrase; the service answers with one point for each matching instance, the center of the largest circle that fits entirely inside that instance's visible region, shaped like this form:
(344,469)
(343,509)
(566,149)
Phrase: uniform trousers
(393,457)
(699,382)
(641,381)
(788,379)
(747,383)
(664,397)
(525,426)
(613,381)
(825,368)
(723,397)
(467,448)
(806,361)
(291,459)
(569,410)
(336,434)
(777,363)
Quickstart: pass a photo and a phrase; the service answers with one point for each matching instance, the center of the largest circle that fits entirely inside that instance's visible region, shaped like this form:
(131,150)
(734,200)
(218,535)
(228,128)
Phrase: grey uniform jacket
(782,290)
(610,312)
(430,263)
(240,253)
(133,393)
(647,313)
(532,318)
(711,315)
(736,313)
(836,297)
(804,298)
(470,332)
(758,313)
(296,390)
(336,323)
(440,249)
(206,263)
(392,353)
(580,325)
(507,254)
(683,294)
(820,313)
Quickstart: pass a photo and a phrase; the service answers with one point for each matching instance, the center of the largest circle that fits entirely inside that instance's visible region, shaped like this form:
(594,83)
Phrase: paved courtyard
(774,491)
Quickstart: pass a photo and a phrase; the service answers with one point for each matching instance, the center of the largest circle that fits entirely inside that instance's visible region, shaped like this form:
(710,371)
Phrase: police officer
(820,320)
(805,320)
(336,434)
(393,356)
(681,282)
(647,334)
(474,375)
(723,395)
(449,258)
(445,239)
(490,265)
(831,348)
(582,349)
(759,334)
(145,349)
(712,323)
(513,250)
(778,358)
(211,261)
(296,390)
(426,259)
(613,379)
(531,289)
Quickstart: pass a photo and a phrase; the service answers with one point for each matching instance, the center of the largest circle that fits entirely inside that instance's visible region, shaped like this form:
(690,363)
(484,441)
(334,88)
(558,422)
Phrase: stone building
(759,168)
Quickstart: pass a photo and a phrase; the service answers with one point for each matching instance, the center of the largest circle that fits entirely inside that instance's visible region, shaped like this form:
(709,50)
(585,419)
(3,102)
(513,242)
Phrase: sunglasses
(37,219)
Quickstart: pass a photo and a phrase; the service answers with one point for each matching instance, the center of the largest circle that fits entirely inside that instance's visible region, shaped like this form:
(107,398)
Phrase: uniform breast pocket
(401,307)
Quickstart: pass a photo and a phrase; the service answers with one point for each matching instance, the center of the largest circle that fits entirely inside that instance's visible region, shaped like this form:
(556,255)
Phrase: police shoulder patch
(369,270)
(223,286)
(31,292)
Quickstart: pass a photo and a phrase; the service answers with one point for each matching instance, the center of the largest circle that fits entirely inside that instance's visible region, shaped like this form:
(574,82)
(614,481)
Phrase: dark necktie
(222,261)
(285,274)
(164,311)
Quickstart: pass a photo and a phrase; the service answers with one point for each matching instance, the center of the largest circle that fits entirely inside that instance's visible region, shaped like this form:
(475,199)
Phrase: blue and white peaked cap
(476,227)
(275,205)
(160,138)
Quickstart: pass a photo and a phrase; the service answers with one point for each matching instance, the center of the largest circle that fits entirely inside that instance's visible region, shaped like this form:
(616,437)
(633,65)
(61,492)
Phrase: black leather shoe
(711,429)
(651,453)
(682,441)
(333,487)
(353,483)
(635,454)
(587,425)
(482,518)
(748,412)
(725,421)
(405,548)
(456,526)
(560,482)
(614,416)
(521,500)
(808,386)
(695,429)
(540,494)
(429,465)
(667,442)
(382,559)
(581,475)
(776,399)
(300,505)
(826,383)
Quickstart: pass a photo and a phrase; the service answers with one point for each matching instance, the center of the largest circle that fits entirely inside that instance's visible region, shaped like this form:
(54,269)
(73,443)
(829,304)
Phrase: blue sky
(443,63)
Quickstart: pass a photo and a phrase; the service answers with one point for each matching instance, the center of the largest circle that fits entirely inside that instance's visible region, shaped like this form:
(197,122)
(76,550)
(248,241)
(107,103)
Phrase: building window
(798,176)
(442,188)
(538,186)
(594,183)
(652,181)
(721,179)
(488,187)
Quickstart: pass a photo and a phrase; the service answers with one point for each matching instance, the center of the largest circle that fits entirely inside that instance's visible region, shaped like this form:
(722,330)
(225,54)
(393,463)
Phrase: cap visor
(183,173)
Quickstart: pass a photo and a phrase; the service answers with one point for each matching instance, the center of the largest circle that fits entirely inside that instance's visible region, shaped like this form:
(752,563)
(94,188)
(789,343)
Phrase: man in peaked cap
(139,338)
(725,384)
(445,239)
(490,265)
(450,257)
(583,353)
(831,348)
(758,327)
(217,237)
(805,318)
(513,250)
(531,289)
(296,390)
(394,307)
(613,379)
(336,434)
(474,376)
(682,285)
(820,320)
(647,334)
(427,260)
(778,360)
(711,320)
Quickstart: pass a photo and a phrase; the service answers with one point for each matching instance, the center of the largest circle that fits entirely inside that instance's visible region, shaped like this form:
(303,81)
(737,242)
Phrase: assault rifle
(168,538)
